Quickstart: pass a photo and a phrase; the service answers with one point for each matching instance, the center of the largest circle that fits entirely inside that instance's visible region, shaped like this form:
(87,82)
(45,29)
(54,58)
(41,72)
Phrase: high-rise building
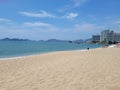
(96,38)
(109,36)
(104,36)
(117,37)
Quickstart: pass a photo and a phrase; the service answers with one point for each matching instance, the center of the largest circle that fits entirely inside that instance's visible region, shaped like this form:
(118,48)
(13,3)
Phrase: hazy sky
(60,19)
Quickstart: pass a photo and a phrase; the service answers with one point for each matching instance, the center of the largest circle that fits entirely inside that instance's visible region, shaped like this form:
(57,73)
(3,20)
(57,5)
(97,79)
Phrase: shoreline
(30,55)
(94,69)
(23,56)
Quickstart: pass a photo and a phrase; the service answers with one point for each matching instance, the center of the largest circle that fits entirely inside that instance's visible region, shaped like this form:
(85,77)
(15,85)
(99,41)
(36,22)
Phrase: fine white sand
(97,69)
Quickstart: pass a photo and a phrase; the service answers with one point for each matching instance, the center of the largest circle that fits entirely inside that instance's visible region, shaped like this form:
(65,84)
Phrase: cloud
(117,22)
(37,24)
(72,5)
(115,25)
(77,3)
(36,31)
(4,20)
(88,27)
(41,14)
(33,31)
(71,15)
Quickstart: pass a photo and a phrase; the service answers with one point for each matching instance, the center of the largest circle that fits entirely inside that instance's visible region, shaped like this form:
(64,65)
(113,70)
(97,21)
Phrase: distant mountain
(41,41)
(88,41)
(14,39)
(69,41)
(49,40)
(56,40)
(79,41)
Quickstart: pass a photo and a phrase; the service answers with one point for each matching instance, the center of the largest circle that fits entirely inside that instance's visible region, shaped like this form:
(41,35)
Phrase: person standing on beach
(88,48)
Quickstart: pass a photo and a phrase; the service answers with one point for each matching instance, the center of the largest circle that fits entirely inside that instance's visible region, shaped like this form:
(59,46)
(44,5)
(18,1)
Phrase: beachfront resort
(106,36)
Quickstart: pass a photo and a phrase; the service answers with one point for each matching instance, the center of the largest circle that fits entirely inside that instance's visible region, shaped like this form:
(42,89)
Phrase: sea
(10,49)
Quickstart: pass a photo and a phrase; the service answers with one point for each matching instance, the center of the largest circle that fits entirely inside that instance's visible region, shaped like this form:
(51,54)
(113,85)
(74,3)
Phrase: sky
(58,19)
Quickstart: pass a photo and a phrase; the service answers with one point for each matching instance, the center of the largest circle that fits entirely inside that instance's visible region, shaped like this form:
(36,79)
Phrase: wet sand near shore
(97,69)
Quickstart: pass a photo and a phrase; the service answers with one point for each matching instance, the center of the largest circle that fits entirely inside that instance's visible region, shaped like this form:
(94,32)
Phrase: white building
(104,36)
(117,37)
(109,36)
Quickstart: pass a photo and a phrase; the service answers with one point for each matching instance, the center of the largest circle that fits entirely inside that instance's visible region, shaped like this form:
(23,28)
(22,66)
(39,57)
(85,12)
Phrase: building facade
(109,36)
(117,37)
(96,38)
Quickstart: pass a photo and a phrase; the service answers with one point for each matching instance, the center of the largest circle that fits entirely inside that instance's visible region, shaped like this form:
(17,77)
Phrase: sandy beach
(97,69)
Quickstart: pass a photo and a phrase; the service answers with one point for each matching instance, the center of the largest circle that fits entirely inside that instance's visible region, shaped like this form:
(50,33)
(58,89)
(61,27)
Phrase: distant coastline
(49,40)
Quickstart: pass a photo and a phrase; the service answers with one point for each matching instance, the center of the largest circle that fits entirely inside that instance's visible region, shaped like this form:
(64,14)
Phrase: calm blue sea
(21,48)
